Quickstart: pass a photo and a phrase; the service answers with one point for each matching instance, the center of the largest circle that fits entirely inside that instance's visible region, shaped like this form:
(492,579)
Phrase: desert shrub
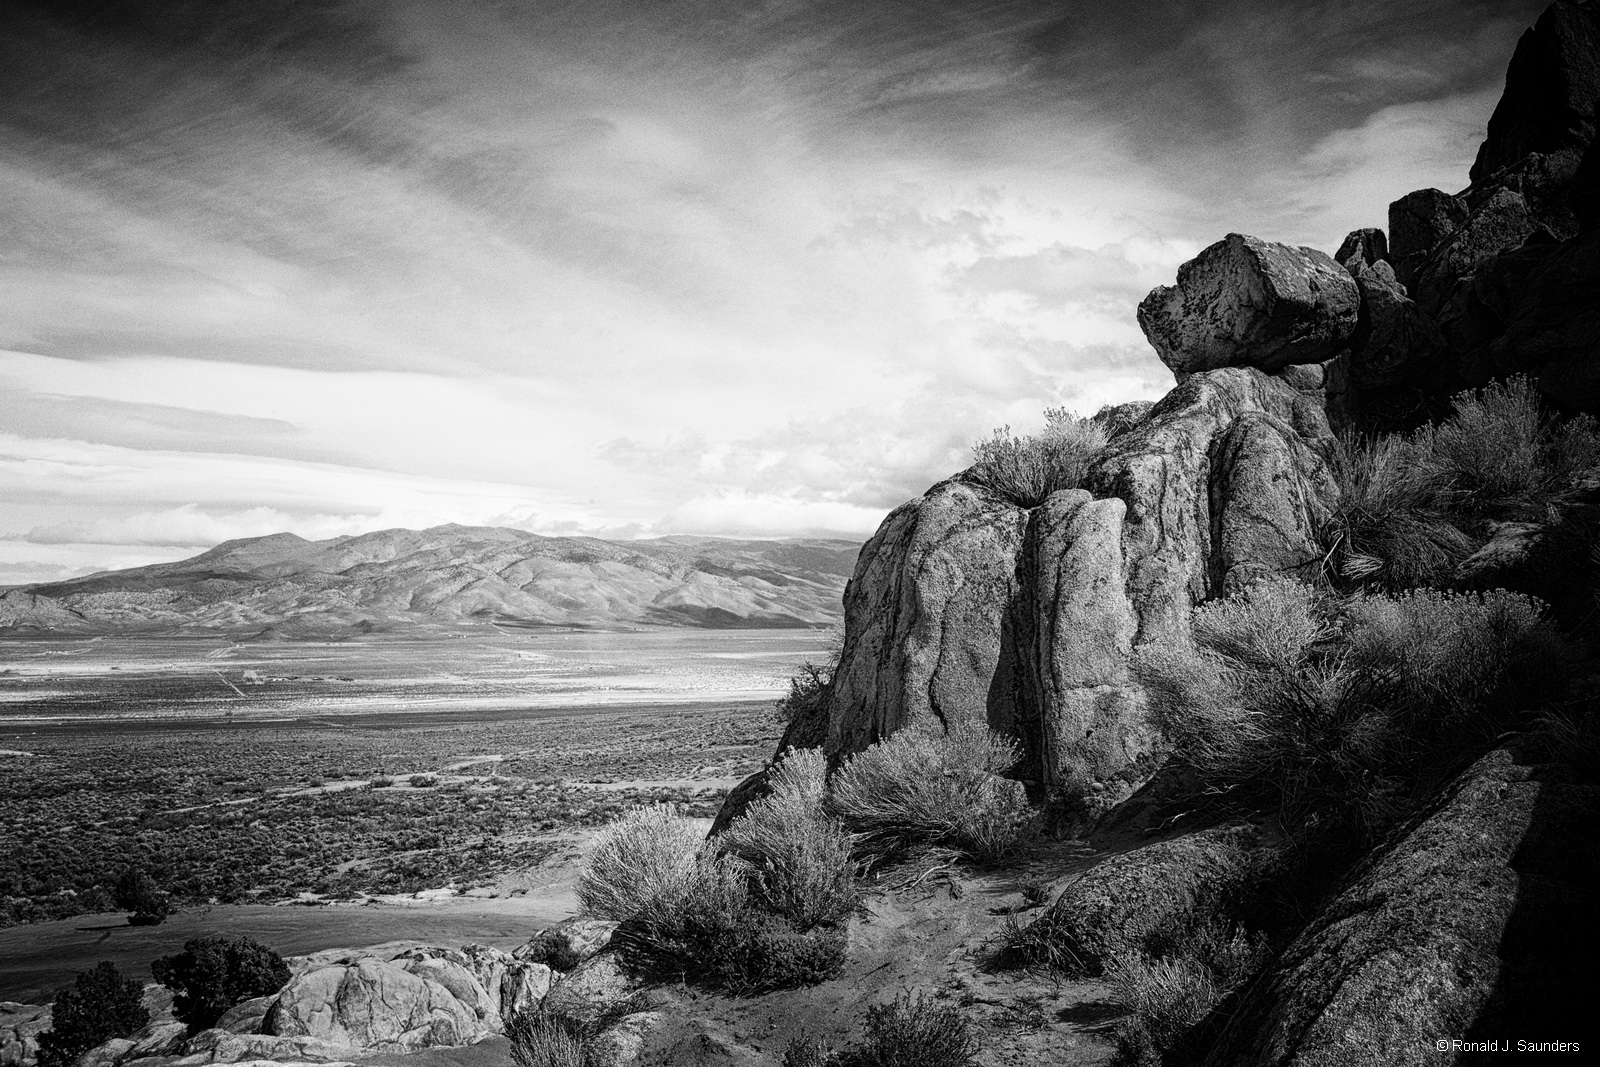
(1333,726)
(423,781)
(542,1038)
(1274,623)
(642,861)
(712,931)
(1460,664)
(920,787)
(800,857)
(100,1005)
(1391,526)
(556,953)
(807,1052)
(1165,1000)
(1026,470)
(212,974)
(1171,992)
(138,893)
(810,687)
(911,1032)
(1499,454)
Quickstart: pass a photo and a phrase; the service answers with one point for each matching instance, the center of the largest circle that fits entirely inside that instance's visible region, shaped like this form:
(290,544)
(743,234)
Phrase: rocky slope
(287,586)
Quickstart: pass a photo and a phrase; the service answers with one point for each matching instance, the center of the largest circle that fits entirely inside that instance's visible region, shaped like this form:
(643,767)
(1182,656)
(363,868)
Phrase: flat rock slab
(1245,302)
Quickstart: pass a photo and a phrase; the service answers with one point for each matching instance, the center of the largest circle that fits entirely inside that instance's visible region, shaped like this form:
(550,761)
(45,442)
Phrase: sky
(629,268)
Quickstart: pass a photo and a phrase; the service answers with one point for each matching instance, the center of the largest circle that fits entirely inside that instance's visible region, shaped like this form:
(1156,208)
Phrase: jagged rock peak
(1552,89)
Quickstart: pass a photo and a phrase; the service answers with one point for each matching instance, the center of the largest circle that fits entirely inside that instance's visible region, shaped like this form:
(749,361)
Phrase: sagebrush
(923,786)
(1026,470)
(801,858)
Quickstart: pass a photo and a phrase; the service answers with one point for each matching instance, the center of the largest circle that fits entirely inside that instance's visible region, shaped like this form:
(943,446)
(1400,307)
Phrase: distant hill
(283,586)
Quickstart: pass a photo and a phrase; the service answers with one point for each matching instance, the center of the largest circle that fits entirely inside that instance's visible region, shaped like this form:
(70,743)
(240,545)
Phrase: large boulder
(1245,302)
(1501,224)
(1470,925)
(247,1016)
(1554,328)
(377,1005)
(927,611)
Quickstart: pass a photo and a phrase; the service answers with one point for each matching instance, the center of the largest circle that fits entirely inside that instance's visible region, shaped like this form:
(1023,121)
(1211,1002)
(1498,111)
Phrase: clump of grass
(1165,999)
(910,1031)
(800,857)
(921,788)
(1026,470)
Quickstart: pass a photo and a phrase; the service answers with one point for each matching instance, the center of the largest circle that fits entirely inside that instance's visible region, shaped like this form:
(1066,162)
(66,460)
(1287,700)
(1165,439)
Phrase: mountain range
(283,585)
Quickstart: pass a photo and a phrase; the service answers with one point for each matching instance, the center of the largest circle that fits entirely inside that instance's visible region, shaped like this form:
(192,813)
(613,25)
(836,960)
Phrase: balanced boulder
(1244,302)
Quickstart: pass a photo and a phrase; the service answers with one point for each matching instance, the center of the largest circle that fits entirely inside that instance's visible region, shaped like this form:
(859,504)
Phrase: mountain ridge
(286,585)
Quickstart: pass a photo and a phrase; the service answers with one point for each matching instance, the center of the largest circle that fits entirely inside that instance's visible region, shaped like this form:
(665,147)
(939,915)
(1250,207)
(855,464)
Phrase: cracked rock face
(1244,302)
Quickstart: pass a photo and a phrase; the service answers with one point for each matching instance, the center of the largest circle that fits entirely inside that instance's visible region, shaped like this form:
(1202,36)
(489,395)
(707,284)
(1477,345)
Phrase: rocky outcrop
(1244,302)
(965,607)
(1547,112)
(1468,922)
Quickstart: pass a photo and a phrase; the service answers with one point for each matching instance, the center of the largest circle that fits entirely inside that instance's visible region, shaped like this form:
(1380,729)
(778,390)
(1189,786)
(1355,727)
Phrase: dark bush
(139,894)
(100,1005)
(212,974)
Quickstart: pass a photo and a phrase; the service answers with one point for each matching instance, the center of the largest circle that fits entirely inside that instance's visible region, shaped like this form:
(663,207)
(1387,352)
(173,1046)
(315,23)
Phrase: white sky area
(753,269)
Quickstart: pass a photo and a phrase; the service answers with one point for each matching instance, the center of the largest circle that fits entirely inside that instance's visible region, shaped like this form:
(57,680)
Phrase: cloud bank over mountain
(620,269)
